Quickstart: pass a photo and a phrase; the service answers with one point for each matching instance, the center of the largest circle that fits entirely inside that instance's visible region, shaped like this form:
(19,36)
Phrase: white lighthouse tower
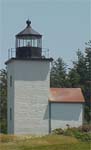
(28,85)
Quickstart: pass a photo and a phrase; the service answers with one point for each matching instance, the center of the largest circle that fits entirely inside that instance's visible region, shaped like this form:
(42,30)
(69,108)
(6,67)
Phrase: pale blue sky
(64,24)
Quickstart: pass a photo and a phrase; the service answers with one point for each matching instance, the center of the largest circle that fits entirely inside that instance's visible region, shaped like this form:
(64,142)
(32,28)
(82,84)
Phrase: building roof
(66,95)
(28,31)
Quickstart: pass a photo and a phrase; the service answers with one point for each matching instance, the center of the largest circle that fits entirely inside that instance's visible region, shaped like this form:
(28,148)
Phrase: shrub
(87,114)
(3,126)
(85,128)
(83,136)
(58,131)
(71,131)
(7,138)
(81,133)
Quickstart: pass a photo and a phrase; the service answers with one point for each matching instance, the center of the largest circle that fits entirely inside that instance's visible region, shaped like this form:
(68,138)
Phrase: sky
(64,24)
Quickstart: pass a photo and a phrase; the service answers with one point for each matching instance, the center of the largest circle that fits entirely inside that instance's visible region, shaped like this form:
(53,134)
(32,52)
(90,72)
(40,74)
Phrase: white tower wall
(10,98)
(28,96)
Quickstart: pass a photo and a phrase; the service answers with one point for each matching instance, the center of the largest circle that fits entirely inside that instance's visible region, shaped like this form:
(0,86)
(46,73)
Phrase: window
(10,81)
(10,113)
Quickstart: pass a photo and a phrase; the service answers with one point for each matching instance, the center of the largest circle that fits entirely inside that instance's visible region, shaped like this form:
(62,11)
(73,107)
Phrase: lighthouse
(28,75)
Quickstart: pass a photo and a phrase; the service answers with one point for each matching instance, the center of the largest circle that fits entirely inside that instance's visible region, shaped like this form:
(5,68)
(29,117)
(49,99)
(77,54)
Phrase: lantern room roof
(28,31)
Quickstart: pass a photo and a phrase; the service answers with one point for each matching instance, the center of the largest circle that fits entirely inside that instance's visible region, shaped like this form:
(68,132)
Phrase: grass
(50,142)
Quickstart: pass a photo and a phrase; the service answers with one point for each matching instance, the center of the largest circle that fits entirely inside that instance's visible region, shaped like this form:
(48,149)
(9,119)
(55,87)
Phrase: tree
(73,78)
(58,73)
(80,67)
(3,100)
(87,114)
(83,68)
(88,80)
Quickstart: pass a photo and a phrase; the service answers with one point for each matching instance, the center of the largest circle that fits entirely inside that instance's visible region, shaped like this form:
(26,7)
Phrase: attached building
(66,107)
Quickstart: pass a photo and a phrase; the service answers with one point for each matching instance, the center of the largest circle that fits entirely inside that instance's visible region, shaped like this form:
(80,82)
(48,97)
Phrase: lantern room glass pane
(21,43)
(39,43)
(24,43)
(29,42)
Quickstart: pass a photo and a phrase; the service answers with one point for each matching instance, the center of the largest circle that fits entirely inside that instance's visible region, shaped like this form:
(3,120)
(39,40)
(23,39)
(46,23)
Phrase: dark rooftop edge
(53,101)
(28,59)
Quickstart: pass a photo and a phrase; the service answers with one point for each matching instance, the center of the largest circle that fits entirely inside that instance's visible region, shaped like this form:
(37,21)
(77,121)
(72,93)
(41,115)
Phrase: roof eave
(28,59)
(25,35)
(74,102)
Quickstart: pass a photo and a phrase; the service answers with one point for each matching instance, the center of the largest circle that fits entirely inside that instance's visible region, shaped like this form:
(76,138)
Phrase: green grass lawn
(50,142)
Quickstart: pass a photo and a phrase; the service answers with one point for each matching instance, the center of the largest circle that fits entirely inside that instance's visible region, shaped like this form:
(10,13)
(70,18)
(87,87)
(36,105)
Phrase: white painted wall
(10,98)
(30,92)
(66,113)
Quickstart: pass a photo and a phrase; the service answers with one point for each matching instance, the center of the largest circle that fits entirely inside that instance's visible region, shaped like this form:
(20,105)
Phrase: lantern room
(28,43)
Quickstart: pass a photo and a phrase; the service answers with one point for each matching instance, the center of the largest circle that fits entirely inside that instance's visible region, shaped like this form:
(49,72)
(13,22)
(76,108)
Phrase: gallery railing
(12,53)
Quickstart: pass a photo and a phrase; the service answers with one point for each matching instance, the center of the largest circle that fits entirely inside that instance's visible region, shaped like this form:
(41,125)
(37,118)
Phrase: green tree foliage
(88,73)
(58,73)
(3,100)
(73,78)
(87,114)
(80,67)
(60,77)
(83,69)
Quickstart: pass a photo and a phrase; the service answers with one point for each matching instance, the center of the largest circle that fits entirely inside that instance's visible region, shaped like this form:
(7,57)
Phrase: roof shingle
(66,95)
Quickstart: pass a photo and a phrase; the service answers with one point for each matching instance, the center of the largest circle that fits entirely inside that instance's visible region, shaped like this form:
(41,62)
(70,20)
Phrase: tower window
(10,113)
(10,81)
